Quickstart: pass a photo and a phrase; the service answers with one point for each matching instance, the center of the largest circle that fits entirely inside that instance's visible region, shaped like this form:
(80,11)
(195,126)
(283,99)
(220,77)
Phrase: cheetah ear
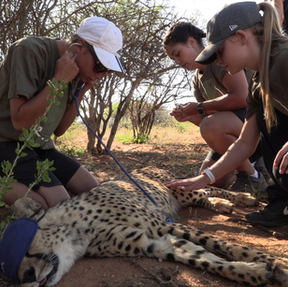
(25,207)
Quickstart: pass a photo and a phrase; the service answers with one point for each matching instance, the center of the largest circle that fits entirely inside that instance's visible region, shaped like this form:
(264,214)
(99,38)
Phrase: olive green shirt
(29,63)
(208,85)
(278,79)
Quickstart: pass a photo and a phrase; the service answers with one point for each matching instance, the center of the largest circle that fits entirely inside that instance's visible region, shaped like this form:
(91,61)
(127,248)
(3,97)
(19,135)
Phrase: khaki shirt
(278,79)
(29,63)
(208,85)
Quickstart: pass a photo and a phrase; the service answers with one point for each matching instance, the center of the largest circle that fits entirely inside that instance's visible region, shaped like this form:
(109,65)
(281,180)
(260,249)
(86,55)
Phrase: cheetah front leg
(237,198)
(202,198)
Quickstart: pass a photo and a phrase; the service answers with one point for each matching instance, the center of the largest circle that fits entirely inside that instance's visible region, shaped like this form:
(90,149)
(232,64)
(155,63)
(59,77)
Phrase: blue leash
(128,175)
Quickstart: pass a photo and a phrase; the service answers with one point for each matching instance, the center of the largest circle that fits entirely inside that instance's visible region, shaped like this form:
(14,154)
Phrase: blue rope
(77,105)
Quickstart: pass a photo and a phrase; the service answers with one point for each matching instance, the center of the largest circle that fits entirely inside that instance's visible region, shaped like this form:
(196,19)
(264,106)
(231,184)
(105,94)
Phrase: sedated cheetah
(117,219)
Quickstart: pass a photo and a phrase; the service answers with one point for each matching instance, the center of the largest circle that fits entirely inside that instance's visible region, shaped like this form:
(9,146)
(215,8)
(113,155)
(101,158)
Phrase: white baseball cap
(106,40)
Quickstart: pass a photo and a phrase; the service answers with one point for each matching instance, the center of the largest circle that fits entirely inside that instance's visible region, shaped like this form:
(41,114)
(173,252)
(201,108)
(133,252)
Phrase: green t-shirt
(278,79)
(208,85)
(29,63)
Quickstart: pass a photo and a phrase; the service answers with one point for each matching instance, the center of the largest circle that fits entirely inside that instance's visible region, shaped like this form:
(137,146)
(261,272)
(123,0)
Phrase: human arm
(24,112)
(239,151)
(235,98)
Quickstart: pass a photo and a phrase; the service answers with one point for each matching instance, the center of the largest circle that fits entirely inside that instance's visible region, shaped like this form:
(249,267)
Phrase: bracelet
(49,82)
(211,176)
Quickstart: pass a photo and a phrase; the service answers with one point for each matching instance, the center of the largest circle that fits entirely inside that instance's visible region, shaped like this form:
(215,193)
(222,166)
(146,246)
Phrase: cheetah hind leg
(169,247)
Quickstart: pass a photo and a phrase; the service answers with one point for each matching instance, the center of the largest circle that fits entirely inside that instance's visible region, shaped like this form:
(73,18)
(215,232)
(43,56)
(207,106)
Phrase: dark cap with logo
(233,17)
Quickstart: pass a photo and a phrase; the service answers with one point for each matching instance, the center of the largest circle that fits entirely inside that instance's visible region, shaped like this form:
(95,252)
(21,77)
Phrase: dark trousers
(270,144)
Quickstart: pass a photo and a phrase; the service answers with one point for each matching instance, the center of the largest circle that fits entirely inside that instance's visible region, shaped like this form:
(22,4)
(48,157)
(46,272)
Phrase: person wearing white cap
(247,35)
(30,63)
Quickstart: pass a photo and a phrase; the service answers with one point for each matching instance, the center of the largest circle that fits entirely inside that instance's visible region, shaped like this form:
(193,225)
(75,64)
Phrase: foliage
(143,26)
(72,151)
(27,139)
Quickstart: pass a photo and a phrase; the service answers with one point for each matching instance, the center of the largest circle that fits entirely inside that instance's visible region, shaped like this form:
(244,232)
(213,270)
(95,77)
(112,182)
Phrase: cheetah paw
(221,205)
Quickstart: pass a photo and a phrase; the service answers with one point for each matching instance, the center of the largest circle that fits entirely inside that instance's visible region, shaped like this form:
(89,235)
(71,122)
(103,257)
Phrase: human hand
(281,159)
(187,109)
(66,67)
(189,183)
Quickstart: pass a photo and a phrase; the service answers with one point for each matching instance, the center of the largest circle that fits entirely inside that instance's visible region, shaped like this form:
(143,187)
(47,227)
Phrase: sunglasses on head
(99,67)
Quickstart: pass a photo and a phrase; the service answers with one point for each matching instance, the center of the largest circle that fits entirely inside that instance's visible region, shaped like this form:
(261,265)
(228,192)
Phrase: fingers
(284,164)
(179,182)
(185,186)
(66,67)
(281,159)
(188,183)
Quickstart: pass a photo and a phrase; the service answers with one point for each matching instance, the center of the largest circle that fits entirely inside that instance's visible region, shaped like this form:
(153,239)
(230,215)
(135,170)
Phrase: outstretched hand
(189,183)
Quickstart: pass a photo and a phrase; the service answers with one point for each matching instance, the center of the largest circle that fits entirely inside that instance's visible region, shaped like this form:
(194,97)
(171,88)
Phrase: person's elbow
(60,131)
(18,125)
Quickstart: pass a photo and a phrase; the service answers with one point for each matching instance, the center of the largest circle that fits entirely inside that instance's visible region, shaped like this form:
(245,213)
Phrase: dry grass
(76,136)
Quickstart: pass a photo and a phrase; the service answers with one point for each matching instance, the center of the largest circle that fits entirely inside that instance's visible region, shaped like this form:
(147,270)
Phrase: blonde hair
(267,32)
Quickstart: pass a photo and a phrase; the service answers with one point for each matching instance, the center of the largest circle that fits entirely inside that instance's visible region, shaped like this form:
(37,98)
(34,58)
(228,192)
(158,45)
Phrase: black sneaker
(260,167)
(246,183)
(274,214)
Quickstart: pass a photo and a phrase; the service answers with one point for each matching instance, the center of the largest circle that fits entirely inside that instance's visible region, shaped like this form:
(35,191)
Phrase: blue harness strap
(109,152)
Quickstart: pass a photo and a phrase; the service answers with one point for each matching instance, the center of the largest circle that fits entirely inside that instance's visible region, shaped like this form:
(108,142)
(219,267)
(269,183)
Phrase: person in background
(282,9)
(29,65)
(221,107)
(253,33)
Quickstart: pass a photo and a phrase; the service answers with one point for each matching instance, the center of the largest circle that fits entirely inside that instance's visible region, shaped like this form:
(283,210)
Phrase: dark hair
(181,31)
(73,39)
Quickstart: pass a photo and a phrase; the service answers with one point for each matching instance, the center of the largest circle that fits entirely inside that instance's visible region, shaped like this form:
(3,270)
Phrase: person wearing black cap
(247,35)
(91,54)
(220,108)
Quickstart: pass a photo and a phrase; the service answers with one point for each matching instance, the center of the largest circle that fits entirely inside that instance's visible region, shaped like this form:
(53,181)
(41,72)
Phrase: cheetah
(117,219)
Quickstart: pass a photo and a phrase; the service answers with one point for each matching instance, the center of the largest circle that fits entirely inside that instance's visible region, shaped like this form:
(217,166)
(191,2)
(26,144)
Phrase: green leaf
(23,154)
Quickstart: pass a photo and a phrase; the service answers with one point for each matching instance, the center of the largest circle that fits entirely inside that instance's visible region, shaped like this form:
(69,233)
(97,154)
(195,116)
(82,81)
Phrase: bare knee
(20,189)
(53,195)
(210,127)
(81,181)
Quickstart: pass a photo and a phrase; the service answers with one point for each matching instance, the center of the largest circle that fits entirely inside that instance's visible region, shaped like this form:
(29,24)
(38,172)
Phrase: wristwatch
(200,109)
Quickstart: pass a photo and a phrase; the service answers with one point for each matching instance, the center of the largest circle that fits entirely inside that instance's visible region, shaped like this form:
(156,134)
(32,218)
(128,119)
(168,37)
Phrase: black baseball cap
(233,17)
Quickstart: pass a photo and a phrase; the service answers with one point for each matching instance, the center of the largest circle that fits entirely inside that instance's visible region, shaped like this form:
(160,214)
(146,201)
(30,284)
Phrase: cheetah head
(28,258)
(39,269)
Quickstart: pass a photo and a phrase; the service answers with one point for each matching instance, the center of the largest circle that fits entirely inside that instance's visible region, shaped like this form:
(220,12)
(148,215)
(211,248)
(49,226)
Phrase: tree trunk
(121,113)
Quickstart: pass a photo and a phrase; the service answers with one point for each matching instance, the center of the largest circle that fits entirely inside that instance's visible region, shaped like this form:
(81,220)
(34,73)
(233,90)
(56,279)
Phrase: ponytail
(267,32)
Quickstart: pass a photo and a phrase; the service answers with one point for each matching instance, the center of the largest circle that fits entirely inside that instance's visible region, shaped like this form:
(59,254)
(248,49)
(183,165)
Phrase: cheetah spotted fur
(117,219)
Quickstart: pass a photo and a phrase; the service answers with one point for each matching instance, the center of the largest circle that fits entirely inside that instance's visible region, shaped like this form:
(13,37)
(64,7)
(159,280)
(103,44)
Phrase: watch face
(200,109)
